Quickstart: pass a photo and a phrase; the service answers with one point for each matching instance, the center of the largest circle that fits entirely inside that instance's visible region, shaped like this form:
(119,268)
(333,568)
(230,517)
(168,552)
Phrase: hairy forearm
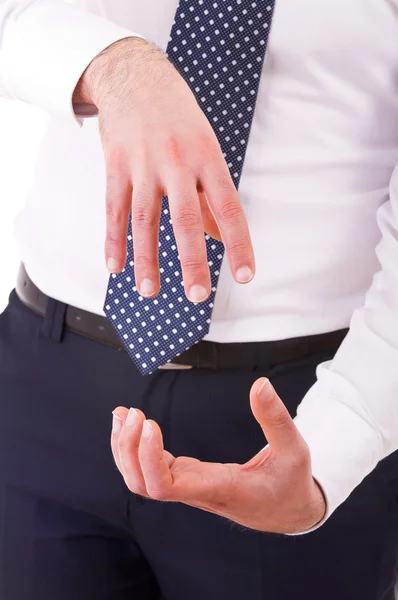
(108,72)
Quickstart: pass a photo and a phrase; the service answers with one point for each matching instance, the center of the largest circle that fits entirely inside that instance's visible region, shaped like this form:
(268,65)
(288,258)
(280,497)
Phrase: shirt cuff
(344,446)
(47,47)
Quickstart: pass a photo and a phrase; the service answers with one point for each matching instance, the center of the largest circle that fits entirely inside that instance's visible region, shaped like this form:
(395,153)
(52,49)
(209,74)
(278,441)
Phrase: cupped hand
(157,141)
(273,492)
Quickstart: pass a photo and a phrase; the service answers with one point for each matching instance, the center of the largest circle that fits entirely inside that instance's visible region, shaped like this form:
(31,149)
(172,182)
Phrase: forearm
(107,72)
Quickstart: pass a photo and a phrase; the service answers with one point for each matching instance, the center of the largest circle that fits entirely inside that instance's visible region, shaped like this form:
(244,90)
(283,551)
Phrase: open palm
(274,491)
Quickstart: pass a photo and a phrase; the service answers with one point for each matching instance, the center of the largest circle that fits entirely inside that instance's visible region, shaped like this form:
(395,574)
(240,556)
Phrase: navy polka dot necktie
(219,48)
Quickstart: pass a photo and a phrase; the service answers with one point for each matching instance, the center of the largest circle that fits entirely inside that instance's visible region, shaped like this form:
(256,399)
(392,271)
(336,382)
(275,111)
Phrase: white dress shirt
(318,187)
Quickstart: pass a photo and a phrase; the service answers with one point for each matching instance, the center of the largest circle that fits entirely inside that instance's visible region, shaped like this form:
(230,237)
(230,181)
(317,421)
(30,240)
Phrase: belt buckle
(170,366)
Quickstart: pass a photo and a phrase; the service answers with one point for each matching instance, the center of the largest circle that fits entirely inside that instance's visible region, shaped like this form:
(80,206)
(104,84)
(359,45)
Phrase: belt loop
(54,320)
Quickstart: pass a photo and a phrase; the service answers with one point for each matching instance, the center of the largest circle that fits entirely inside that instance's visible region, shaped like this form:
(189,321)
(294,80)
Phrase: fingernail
(147,429)
(147,288)
(264,390)
(197,293)
(116,424)
(132,417)
(244,275)
(112,265)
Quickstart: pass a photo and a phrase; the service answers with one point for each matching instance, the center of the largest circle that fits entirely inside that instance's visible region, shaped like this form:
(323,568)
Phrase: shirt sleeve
(349,418)
(45,46)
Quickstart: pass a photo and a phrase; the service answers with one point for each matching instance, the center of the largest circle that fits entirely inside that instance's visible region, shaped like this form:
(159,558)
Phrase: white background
(21,129)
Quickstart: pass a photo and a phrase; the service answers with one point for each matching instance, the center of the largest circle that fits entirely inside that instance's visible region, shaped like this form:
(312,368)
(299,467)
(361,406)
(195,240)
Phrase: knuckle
(173,151)
(226,189)
(144,263)
(231,212)
(114,214)
(187,220)
(127,444)
(192,263)
(279,417)
(239,249)
(158,493)
(112,240)
(143,217)
(134,486)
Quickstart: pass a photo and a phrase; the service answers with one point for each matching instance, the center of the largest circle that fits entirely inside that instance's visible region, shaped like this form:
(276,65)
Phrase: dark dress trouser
(70,529)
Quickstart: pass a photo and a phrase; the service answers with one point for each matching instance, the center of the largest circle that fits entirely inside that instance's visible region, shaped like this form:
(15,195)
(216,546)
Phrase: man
(205,479)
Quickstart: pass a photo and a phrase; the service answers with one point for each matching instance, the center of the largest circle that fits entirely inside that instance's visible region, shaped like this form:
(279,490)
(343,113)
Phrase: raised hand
(273,492)
(157,141)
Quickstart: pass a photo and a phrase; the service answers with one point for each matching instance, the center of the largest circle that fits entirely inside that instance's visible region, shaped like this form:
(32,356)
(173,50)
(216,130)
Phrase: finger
(155,463)
(118,418)
(146,209)
(188,229)
(228,213)
(128,443)
(118,202)
(209,224)
(274,419)
(208,485)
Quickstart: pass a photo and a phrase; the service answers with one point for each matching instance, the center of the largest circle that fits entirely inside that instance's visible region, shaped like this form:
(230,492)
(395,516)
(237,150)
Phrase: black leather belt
(204,355)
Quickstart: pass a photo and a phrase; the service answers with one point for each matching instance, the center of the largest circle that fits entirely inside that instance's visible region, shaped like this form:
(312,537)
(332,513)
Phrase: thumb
(273,417)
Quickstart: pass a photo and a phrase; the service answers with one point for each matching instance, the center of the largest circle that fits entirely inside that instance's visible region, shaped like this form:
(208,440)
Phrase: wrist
(318,507)
(107,71)
(312,513)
